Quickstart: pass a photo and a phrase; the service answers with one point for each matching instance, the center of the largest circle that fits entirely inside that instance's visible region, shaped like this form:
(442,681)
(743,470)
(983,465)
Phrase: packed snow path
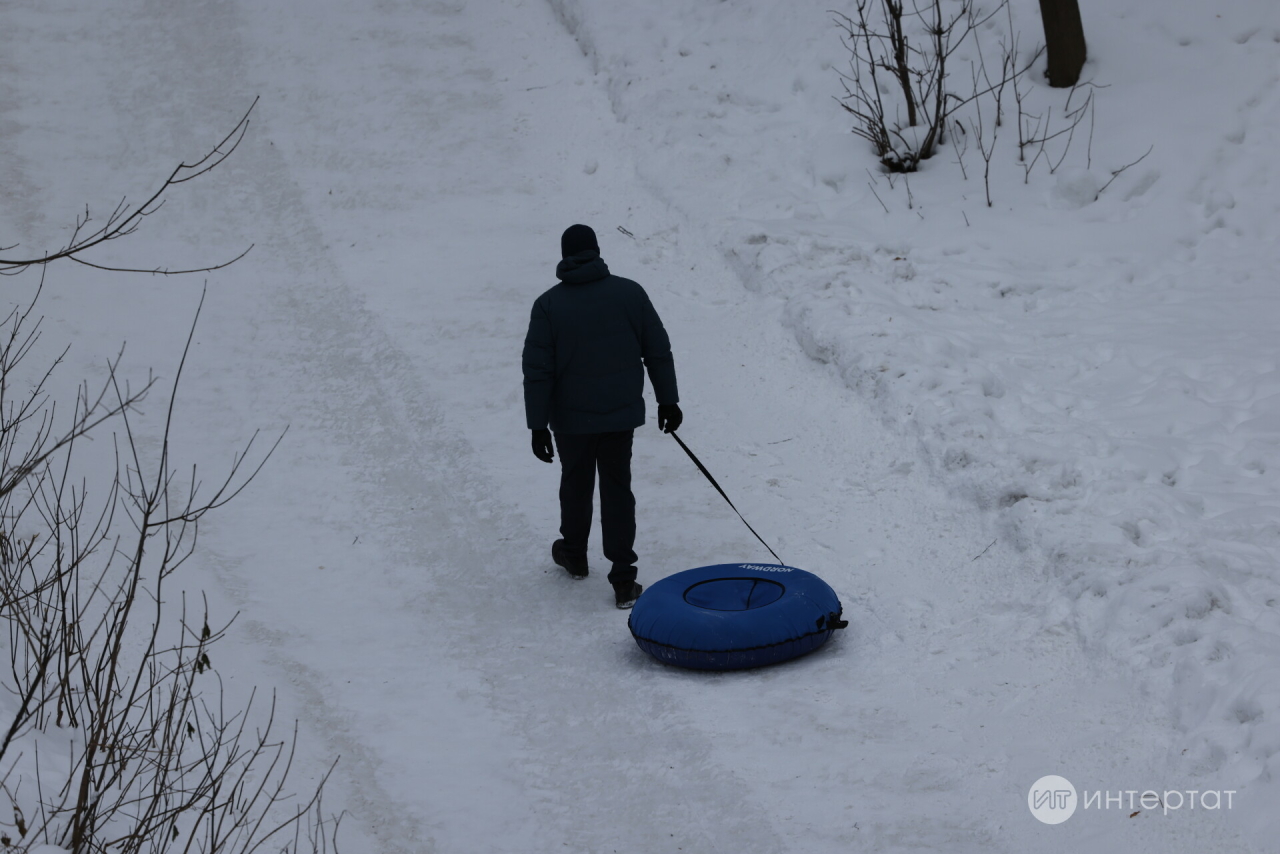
(405,182)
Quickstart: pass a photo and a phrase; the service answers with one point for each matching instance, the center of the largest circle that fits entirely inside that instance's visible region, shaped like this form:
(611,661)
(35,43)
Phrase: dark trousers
(581,455)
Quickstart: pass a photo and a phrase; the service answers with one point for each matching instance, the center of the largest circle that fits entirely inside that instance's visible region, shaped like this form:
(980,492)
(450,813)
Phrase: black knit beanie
(578,238)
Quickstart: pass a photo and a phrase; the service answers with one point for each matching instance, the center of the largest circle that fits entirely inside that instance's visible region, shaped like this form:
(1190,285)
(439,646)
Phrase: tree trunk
(898,40)
(1064,40)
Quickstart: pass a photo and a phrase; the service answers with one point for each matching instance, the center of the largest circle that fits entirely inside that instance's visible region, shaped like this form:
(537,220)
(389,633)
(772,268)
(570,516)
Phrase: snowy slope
(405,182)
(1101,376)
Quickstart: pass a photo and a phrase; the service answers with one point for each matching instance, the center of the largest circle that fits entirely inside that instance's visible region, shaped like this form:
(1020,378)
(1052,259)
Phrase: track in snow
(406,182)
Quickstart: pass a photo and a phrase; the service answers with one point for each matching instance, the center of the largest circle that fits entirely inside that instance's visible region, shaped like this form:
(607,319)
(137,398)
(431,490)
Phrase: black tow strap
(697,462)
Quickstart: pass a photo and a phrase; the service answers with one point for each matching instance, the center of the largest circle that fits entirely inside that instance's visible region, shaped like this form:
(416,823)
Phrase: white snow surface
(1035,448)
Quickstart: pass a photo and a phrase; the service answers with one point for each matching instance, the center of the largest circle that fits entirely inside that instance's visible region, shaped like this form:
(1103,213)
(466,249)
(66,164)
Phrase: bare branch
(125,220)
(1116,173)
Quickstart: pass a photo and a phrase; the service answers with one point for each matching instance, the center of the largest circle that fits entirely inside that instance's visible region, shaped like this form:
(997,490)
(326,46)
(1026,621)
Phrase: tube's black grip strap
(703,469)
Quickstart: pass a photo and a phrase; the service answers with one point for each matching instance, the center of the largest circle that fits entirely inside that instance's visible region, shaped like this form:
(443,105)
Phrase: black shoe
(625,595)
(575,566)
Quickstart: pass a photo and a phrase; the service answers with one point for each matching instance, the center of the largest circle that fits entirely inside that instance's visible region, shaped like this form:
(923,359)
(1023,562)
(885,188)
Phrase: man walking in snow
(589,337)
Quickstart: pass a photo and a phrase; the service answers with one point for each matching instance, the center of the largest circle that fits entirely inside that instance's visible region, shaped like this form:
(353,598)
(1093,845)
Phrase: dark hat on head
(578,238)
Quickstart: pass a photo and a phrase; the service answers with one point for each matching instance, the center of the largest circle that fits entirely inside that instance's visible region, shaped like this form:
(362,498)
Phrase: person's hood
(579,269)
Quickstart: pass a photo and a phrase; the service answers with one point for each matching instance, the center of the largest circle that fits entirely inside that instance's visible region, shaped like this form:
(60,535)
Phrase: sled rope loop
(697,462)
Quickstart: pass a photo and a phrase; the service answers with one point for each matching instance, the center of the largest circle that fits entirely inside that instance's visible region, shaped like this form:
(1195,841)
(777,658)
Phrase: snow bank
(1099,372)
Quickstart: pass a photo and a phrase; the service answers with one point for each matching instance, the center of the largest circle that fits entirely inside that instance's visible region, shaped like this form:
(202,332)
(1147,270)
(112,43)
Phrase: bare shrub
(899,67)
(117,733)
(905,97)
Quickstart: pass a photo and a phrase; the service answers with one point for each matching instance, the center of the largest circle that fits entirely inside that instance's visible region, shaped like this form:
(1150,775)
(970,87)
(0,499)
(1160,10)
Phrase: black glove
(669,417)
(542,445)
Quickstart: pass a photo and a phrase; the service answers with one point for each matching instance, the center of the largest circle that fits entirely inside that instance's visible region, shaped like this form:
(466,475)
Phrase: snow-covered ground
(1103,376)
(1090,385)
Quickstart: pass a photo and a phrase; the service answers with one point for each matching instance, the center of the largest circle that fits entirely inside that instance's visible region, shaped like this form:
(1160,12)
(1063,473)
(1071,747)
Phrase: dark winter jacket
(588,337)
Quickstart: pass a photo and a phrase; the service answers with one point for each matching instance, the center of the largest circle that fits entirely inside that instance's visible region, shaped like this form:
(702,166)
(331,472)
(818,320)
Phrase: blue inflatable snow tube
(735,615)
